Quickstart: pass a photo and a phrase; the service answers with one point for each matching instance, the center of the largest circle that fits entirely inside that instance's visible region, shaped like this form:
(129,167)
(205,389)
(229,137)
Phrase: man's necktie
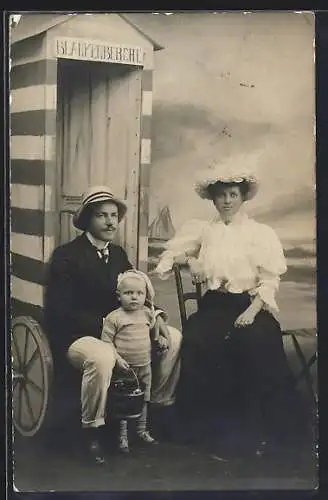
(103,254)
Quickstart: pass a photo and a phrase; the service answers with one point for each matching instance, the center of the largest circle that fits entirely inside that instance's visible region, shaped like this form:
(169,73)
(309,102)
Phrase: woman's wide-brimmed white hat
(226,171)
(96,194)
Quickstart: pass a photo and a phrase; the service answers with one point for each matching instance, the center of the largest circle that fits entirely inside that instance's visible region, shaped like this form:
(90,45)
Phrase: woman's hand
(196,270)
(161,344)
(121,363)
(163,330)
(181,258)
(246,318)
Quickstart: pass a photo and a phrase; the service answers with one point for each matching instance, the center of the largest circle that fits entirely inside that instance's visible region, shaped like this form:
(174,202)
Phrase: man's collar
(100,245)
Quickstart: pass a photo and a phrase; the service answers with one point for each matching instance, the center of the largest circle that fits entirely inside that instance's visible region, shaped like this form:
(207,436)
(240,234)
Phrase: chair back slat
(179,285)
(183,296)
(199,293)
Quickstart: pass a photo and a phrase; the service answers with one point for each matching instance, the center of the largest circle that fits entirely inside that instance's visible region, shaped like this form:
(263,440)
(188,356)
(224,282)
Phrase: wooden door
(98,139)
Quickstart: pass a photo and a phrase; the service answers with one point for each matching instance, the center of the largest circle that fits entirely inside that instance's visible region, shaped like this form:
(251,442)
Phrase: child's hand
(122,364)
(245,319)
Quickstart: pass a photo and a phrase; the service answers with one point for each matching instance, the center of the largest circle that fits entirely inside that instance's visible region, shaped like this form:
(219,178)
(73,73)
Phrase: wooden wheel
(32,369)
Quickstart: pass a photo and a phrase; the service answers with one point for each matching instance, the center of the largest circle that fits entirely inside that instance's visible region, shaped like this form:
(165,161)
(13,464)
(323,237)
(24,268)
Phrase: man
(80,292)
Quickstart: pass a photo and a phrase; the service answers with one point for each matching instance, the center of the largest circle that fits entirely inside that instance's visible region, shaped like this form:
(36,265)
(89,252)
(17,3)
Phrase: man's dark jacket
(80,291)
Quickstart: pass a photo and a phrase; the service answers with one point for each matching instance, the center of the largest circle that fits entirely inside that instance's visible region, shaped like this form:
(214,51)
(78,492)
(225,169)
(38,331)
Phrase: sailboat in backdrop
(160,231)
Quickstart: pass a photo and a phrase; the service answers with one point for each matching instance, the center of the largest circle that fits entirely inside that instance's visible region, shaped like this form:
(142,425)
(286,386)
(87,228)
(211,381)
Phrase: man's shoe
(145,438)
(264,449)
(96,454)
(94,450)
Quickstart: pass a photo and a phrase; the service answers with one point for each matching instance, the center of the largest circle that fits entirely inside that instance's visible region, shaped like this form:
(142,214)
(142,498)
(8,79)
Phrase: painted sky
(234,85)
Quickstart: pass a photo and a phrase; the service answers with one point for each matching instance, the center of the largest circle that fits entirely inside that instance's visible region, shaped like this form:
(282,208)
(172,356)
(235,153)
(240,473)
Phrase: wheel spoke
(17,352)
(31,360)
(20,395)
(27,339)
(34,385)
(29,406)
(15,382)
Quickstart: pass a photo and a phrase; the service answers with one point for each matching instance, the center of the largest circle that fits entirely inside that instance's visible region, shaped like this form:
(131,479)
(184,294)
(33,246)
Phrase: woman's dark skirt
(245,369)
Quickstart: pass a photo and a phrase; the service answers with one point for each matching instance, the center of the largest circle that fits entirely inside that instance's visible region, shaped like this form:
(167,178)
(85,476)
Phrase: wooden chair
(306,365)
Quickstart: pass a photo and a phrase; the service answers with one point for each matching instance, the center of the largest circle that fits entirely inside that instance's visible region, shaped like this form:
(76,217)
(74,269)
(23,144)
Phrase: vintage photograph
(163,251)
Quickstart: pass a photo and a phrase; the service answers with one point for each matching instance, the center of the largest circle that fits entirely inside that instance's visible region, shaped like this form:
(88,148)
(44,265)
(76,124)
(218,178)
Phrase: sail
(162,226)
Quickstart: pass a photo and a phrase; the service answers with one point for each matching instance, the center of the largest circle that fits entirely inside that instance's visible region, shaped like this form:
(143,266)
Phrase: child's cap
(134,273)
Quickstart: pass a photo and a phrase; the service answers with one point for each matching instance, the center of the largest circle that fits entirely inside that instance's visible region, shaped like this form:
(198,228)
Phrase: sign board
(98,51)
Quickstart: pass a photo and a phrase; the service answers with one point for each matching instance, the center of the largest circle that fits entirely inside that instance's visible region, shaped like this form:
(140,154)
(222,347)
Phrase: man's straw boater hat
(229,171)
(97,194)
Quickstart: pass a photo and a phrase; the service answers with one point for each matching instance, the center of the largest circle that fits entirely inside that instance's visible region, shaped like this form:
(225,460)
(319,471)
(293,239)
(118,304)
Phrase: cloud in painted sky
(228,84)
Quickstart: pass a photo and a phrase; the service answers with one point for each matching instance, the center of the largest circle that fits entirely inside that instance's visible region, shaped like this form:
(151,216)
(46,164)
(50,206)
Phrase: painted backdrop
(228,84)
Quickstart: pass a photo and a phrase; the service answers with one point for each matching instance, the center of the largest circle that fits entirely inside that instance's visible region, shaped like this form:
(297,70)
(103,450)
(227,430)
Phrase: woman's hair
(216,188)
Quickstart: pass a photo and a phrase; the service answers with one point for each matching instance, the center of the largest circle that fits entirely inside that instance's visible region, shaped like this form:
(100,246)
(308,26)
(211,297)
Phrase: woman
(233,343)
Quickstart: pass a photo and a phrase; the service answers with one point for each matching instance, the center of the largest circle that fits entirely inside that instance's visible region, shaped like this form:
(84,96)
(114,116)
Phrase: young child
(132,330)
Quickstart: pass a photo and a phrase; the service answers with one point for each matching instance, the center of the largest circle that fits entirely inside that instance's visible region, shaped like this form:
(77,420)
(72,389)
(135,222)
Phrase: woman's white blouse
(241,256)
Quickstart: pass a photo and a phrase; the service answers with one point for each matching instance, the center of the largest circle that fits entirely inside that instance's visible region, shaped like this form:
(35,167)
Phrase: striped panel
(29,197)
(32,48)
(25,221)
(143,249)
(145,151)
(31,222)
(20,308)
(147,103)
(43,72)
(145,160)
(30,293)
(143,266)
(144,211)
(48,247)
(33,123)
(33,162)
(146,127)
(31,172)
(29,147)
(147,80)
(144,176)
(34,98)
(29,245)
(50,171)
(148,62)
(50,218)
(28,269)
(38,248)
